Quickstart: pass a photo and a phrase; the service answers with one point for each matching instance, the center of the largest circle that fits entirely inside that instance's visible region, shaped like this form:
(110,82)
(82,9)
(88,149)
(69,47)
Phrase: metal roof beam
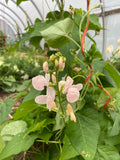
(40,14)
(14,14)
(23,12)
(10,18)
(8,22)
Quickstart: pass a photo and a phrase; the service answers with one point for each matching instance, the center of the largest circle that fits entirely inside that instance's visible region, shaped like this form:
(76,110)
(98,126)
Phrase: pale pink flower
(47,99)
(72,91)
(45,67)
(68,84)
(53,78)
(51,92)
(78,86)
(42,99)
(39,82)
(72,95)
(47,78)
(109,49)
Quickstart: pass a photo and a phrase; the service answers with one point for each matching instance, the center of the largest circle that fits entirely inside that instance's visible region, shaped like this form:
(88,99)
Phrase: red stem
(83,38)
(88,77)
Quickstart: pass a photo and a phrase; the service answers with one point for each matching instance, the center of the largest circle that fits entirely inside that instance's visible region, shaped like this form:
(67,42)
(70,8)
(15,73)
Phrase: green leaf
(42,156)
(19,1)
(54,152)
(25,108)
(83,135)
(66,49)
(59,122)
(107,152)
(98,65)
(13,128)
(2,144)
(17,145)
(114,140)
(6,1)
(13,48)
(36,127)
(68,150)
(112,75)
(24,85)
(56,35)
(32,94)
(45,135)
(94,52)
(115,129)
(5,109)
(104,97)
(94,21)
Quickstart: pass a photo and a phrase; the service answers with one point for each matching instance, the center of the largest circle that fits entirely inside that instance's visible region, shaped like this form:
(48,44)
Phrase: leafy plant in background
(15,69)
(73,112)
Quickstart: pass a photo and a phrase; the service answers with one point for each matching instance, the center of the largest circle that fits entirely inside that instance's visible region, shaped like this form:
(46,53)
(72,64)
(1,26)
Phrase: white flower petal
(68,84)
(38,82)
(51,92)
(72,95)
(42,99)
(78,86)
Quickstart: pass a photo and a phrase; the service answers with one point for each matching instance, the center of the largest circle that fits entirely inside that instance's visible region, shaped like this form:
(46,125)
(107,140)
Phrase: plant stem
(86,14)
(62,8)
(79,60)
(78,76)
(55,142)
(70,38)
(59,96)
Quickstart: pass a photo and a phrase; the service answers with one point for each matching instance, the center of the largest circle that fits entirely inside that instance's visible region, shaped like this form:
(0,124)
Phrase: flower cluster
(63,87)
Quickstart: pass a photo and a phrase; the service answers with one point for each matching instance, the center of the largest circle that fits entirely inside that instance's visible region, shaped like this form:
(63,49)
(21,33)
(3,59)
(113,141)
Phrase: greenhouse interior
(59,80)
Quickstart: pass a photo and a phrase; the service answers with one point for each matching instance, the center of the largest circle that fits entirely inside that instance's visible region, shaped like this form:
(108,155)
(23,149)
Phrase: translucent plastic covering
(14,18)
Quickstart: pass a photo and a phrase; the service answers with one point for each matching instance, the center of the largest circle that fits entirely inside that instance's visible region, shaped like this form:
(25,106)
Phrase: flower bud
(118,41)
(52,57)
(53,78)
(63,66)
(70,112)
(64,59)
(72,117)
(77,69)
(45,67)
(69,109)
(61,63)
(56,63)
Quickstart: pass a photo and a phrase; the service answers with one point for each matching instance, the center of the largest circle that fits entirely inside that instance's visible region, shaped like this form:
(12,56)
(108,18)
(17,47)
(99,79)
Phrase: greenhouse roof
(13,17)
